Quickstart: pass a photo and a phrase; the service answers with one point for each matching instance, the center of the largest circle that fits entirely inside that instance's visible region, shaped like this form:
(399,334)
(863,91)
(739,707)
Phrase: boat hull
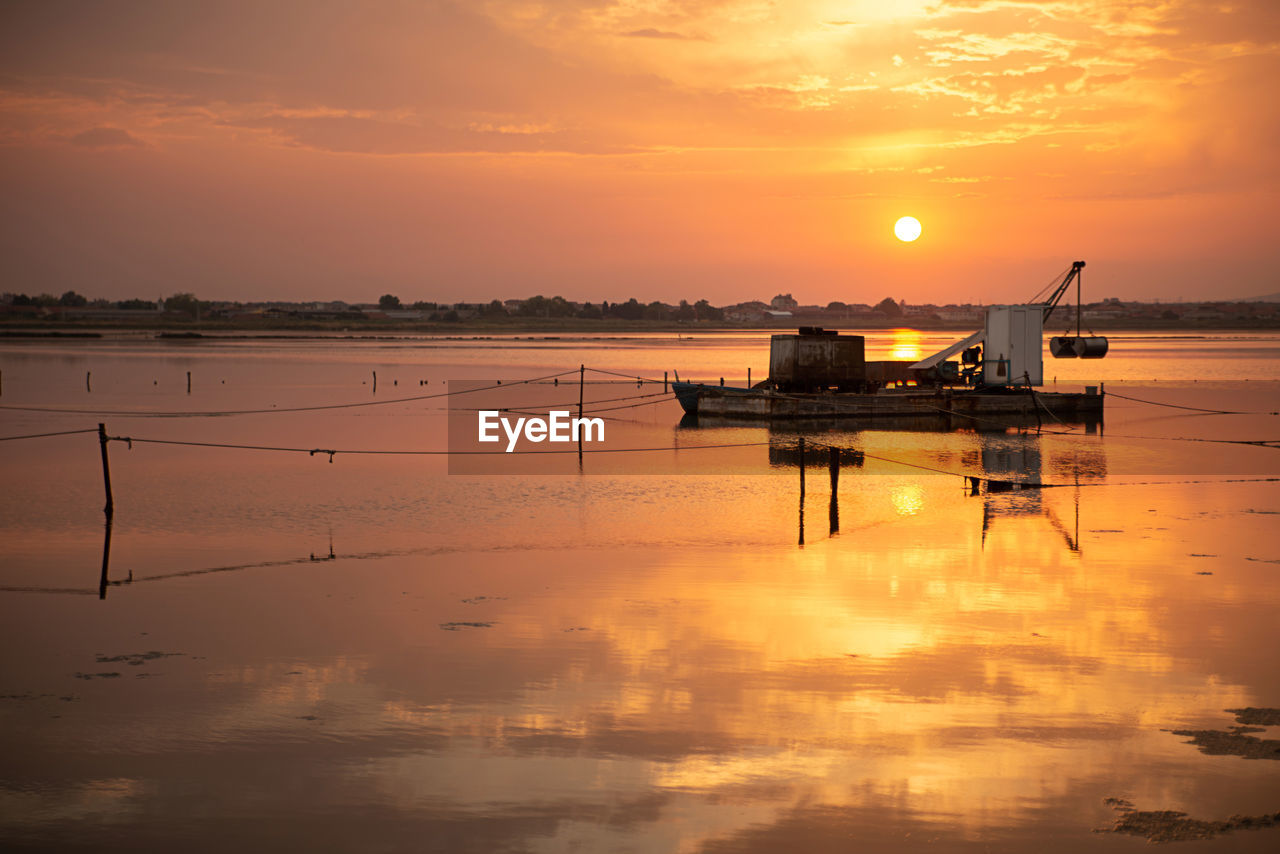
(764,404)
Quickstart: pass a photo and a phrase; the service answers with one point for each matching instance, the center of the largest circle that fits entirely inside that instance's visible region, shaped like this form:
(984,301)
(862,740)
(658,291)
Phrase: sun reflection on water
(907,344)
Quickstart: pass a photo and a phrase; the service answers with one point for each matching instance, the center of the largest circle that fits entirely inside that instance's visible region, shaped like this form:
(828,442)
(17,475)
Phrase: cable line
(212,413)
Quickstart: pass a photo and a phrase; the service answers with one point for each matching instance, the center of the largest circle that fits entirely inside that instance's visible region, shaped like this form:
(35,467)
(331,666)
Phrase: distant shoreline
(170,330)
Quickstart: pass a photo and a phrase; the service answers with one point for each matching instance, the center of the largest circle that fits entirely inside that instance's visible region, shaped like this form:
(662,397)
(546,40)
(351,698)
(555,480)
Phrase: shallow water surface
(371,653)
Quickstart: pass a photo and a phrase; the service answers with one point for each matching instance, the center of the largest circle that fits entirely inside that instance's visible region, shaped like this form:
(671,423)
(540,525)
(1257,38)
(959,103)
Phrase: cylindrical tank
(1091,348)
(1070,347)
(1062,348)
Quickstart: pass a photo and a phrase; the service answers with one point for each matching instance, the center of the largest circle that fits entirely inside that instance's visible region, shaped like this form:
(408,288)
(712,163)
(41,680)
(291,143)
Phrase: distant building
(783,302)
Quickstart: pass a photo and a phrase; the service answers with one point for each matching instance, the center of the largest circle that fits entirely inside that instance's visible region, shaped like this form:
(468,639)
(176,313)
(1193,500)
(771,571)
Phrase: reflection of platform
(814,458)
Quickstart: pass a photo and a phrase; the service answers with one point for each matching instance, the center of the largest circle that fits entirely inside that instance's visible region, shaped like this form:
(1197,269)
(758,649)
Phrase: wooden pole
(375,382)
(664,382)
(110,508)
(188,382)
(106,560)
(582,379)
(748,376)
(88,386)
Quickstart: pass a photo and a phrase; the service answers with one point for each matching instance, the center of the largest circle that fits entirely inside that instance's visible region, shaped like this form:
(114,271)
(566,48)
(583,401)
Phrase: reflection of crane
(1030,506)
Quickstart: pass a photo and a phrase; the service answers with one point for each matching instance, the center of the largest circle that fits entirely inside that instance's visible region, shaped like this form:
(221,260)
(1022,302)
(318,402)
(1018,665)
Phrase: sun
(907,229)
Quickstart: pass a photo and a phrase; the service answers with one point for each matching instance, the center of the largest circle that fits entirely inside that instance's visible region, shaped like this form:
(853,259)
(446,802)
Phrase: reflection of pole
(106,559)
(802,468)
(110,508)
(834,509)
(801,491)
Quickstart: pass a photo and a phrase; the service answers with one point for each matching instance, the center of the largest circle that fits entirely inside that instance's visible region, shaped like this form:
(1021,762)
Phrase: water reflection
(624,662)
(906,345)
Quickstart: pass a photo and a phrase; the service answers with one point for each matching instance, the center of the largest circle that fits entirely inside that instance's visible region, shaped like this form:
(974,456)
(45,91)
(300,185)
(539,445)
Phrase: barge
(817,374)
(944,403)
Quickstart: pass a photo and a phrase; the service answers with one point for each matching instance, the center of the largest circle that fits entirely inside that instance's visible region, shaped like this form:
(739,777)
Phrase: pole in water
(375,382)
(748,376)
(87,385)
(110,508)
(188,382)
(664,382)
(106,560)
(582,378)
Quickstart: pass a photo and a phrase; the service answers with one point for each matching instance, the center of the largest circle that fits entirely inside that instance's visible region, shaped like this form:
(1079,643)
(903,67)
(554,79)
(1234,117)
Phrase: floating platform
(962,403)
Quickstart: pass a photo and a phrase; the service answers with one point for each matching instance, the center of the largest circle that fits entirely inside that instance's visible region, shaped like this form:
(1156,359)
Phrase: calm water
(613,660)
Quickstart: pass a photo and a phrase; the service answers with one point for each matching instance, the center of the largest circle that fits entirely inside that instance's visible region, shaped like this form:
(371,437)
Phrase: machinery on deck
(1008,350)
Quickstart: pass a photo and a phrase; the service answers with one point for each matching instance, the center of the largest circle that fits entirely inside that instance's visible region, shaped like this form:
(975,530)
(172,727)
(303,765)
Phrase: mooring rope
(1194,408)
(43,435)
(332,452)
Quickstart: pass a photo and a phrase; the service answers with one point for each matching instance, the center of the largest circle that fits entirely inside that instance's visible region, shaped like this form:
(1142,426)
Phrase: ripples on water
(622,661)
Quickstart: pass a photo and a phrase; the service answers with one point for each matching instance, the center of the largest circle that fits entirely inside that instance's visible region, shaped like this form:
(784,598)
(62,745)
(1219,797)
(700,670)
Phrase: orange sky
(663,149)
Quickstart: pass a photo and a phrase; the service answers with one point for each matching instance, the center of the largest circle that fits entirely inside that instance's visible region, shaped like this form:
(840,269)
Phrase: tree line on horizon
(559,307)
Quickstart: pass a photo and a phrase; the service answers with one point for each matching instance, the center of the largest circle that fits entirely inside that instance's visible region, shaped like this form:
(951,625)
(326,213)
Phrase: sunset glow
(604,150)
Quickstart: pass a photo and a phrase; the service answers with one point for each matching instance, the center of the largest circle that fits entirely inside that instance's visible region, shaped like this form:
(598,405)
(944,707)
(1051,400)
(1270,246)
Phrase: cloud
(349,134)
(104,137)
(651,33)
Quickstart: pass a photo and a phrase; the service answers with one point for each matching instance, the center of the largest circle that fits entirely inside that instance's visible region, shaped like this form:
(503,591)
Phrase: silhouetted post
(748,377)
(664,382)
(188,382)
(582,379)
(87,385)
(375,382)
(110,508)
(106,560)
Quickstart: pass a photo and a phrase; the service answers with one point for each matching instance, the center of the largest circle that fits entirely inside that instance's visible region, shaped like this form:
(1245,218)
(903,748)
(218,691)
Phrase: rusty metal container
(814,359)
